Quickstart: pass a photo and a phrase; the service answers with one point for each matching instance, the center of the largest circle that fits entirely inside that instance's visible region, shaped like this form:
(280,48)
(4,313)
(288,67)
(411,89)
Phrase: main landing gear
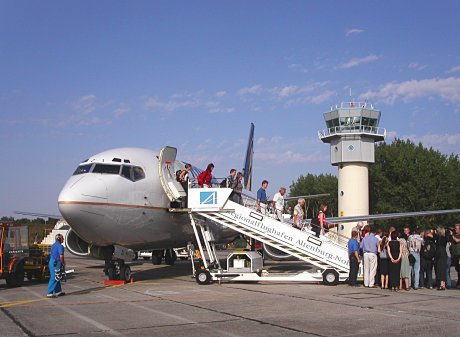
(117,270)
(169,255)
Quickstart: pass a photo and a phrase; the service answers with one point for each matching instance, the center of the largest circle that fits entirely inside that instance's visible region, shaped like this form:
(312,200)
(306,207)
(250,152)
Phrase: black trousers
(456,263)
(354,266)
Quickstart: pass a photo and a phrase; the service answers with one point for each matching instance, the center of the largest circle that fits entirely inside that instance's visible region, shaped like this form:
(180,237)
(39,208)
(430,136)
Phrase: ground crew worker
(56,263)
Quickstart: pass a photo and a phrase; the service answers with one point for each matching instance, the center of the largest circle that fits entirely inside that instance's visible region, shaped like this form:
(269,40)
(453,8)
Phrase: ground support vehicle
(36,265)
(14,250)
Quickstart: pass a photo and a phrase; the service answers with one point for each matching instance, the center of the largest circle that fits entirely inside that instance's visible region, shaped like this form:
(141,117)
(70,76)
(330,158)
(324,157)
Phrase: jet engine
(80,247)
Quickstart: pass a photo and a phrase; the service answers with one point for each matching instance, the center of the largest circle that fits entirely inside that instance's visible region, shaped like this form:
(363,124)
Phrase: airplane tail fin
(247,169)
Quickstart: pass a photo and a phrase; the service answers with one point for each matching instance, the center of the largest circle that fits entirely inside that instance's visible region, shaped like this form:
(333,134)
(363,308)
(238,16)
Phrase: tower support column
(353,189)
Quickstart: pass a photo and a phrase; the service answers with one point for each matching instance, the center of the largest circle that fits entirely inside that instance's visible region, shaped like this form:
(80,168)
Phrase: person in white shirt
(278,203)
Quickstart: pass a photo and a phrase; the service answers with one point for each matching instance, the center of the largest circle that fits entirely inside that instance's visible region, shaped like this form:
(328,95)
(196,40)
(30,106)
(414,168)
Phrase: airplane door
(167,173)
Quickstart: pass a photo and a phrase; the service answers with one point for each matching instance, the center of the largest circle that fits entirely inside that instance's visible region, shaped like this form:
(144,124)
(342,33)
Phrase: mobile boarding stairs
(328,255)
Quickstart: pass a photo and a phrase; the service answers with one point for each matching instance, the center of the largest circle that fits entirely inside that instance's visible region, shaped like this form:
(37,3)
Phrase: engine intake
(77,246)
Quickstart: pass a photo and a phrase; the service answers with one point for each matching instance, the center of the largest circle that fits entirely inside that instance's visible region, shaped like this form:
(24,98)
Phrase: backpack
(178,172)
(315,226)
(223,183)
(428,250)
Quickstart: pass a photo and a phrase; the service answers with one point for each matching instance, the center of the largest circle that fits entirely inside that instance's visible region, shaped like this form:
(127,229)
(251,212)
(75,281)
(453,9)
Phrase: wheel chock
(114,282)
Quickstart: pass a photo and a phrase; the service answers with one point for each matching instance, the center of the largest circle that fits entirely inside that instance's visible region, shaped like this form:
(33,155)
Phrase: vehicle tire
(16,278)
(146,257)
(330,277)
(125,273)
(157,257)
(203,277)
(111,273)
(29,276)
(170,257)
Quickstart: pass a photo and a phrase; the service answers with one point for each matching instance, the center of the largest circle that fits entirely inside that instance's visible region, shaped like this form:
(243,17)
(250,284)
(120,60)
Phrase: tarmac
(167,301)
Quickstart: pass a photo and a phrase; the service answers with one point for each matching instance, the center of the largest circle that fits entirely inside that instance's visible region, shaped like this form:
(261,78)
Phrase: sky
(81,77)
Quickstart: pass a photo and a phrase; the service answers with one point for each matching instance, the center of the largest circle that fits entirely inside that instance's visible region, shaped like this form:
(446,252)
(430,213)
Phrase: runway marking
(15,303)
(84,318)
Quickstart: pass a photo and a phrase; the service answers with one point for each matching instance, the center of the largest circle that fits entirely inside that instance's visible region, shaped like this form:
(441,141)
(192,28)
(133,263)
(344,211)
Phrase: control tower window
(82,169)
(106,169)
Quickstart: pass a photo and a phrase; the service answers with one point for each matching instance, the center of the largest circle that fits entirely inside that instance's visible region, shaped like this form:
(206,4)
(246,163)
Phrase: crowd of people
(405,261)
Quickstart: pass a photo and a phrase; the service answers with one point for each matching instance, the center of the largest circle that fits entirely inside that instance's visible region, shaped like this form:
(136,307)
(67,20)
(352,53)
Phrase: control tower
(352,130)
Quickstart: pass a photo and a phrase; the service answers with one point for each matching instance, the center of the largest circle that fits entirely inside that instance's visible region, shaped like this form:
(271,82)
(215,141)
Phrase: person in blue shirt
(56,263)
(262,196)
(353,254)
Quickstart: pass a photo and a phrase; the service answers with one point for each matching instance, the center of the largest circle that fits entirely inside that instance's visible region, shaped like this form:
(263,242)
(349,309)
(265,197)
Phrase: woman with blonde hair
(405,265)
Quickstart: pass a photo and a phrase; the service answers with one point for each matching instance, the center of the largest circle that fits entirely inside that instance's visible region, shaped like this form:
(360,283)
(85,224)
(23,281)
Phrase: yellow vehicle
(36,265)
(18,259)
(14,249)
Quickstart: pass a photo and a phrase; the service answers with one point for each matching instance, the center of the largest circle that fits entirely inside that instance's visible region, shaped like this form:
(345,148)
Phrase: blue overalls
(55,264)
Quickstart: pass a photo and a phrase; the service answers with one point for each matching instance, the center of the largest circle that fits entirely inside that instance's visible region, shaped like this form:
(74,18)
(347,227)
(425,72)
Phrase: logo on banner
(208,198)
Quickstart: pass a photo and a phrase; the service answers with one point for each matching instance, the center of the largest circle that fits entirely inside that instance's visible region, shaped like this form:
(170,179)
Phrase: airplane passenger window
(82,169)
(138,173)
(107,169)
(126,172)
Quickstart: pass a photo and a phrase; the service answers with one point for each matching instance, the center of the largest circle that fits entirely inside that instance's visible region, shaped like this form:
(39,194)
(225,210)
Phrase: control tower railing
(351,130)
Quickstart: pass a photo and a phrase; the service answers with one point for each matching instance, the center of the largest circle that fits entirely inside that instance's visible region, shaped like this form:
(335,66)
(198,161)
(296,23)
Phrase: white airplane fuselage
(116,198)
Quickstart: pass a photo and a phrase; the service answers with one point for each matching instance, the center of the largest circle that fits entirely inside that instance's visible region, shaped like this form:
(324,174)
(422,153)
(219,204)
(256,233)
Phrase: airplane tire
(330,277)
(170,257)
(111,273)
(125,273)
(156,258)
(203,277)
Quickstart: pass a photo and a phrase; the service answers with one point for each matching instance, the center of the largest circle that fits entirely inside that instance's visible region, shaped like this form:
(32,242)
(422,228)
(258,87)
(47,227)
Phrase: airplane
(118,201)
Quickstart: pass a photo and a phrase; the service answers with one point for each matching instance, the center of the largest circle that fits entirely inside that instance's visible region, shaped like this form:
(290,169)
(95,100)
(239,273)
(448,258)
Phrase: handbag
(411,259)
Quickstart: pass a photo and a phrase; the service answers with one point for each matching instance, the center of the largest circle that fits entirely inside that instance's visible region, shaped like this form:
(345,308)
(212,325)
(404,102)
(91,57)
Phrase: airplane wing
(311,196)
(389,216)
(247,169)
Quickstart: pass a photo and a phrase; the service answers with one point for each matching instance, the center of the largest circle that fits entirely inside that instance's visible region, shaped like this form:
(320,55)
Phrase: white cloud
(85,104)
(287,91)
(155,104)
(416,66)
(299,67)
(353,31)
(255,89)
(118,112)
(446,88)
(221,93)
(454,69)
(322,97)
(354,62)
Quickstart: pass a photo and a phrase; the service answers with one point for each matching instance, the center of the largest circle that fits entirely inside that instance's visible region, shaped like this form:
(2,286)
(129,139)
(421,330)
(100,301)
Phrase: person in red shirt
(205,177)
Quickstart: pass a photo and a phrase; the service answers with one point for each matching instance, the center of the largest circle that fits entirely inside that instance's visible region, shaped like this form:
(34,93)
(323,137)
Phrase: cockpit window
(138,173)
(126,172)
(107,169)
(133,173)
(82,169)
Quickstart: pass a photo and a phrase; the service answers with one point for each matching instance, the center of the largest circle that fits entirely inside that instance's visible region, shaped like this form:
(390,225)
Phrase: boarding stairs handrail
(302,244)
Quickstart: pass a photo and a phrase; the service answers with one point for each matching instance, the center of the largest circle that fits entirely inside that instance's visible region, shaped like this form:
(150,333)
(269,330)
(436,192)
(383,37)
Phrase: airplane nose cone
(80,202)
(84,189)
